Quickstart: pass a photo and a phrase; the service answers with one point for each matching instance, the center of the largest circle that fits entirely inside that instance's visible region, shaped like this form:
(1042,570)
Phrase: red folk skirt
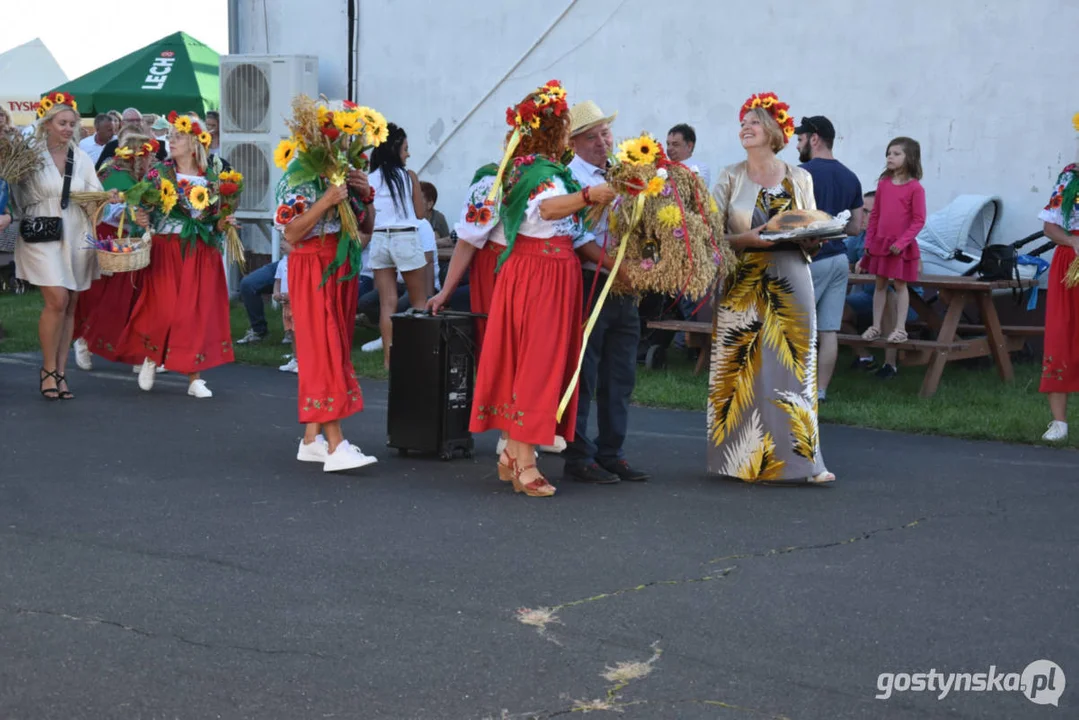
(1060,363)
(481,286)
(181,318)
(90,298)
(532,343)
(324,319)
(114,300)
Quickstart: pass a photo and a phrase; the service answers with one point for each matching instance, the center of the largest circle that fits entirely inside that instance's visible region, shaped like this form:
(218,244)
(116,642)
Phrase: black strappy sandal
(64,394)
(49,393)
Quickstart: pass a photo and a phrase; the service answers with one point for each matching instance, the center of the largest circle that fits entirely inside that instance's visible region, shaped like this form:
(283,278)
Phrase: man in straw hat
(610,362)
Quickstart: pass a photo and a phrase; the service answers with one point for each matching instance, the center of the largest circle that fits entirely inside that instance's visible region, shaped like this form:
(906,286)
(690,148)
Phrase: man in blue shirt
(836,189)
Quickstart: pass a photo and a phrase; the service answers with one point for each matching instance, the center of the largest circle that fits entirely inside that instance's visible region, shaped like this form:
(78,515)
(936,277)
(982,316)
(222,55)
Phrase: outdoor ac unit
(256,99)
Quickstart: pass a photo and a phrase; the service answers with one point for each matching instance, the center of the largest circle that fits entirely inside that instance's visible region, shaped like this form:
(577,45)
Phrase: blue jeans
(609,373)
(254,285)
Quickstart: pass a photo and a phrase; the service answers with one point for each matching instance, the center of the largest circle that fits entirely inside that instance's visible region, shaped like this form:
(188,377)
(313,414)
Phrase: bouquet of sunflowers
(666,220)
(229,186)
(326,143)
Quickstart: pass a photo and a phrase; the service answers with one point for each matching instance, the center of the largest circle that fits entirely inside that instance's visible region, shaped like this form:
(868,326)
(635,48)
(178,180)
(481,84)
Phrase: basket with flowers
(665,223)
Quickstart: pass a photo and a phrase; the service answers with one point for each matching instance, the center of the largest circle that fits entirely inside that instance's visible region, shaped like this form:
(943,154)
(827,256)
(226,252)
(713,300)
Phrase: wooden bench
(695,331)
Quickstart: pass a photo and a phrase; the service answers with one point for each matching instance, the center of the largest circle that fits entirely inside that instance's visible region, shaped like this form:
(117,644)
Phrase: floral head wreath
(184,124)
(547,100)
(149,147)
(56,98)
(780,112)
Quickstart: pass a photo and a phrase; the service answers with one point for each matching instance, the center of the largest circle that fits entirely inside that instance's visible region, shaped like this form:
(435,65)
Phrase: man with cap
(836,189)
(609,370)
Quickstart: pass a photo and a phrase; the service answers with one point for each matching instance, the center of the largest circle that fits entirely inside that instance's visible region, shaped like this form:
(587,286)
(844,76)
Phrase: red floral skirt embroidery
(1060,364)
(532,343)
(481,287)
(181,318)
(323,320)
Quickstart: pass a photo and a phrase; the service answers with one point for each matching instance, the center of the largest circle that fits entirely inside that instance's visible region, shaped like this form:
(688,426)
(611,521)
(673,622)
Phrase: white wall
(982,84)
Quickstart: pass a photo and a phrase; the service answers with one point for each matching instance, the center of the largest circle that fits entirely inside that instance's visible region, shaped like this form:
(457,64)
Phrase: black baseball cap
(816,124)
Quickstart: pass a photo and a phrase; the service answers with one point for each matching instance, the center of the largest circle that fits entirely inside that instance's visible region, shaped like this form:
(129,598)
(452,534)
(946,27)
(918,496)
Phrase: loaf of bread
(795,219)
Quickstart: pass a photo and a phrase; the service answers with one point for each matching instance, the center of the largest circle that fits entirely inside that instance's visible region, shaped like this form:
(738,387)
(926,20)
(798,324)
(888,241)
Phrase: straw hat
(586,115)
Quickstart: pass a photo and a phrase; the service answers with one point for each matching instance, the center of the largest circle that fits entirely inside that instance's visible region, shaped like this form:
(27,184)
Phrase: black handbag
(49,229)
(999,262)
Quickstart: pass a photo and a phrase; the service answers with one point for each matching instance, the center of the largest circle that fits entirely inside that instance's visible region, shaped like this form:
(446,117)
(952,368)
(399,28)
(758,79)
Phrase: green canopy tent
(175,73)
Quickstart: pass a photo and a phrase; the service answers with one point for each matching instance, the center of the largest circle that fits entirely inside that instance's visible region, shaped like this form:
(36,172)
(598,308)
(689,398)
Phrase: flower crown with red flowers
(184,124)
(56,98)
(780,112)
(550,100)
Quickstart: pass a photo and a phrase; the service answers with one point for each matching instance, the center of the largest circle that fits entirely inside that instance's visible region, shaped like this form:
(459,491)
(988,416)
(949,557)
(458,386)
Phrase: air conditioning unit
(256,99)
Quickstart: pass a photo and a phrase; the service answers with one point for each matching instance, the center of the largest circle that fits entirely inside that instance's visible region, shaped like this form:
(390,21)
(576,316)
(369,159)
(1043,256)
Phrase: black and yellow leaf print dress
(762,402)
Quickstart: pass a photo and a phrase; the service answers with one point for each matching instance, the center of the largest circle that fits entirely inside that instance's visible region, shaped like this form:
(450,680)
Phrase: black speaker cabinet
(432,375)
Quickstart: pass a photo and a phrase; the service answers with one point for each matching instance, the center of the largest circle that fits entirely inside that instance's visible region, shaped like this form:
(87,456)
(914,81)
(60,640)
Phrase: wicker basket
(118,262)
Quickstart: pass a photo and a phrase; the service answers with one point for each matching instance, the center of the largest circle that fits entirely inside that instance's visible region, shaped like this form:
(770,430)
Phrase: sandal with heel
(52,393)
(64,394)
(537,488)
(505,469)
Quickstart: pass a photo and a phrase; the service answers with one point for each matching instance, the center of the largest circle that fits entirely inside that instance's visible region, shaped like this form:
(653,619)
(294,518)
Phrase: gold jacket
(736,195)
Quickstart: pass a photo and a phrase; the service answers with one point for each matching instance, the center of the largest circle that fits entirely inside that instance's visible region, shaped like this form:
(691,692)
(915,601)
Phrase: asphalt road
(166,557)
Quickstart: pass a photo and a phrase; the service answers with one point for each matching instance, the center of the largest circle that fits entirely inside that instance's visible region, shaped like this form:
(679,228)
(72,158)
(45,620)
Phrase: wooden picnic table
(953,340)
(986,337)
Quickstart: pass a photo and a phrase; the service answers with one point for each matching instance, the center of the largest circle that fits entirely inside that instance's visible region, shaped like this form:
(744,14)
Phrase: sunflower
(198,197)
(182,124)
(205,138)
(768,101)
(1075,121)
(124,153)
(230,176)
(168,196)
(47,104)
(781,116)
(638,151)
(58,97)
(323,115)
(286,150)
(348,122)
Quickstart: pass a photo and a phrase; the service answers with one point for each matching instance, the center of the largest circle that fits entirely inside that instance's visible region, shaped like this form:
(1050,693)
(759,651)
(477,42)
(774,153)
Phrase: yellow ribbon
(511,146)
(638,212)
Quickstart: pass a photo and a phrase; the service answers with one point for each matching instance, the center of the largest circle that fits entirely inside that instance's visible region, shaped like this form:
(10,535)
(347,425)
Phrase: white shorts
(396,248)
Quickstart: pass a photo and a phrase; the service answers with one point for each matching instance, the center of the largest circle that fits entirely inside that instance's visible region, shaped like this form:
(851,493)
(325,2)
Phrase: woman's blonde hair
(772,130)
(40,129)
(202,157)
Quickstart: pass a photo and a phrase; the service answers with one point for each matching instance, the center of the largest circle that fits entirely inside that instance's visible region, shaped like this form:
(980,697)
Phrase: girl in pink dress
(891,247)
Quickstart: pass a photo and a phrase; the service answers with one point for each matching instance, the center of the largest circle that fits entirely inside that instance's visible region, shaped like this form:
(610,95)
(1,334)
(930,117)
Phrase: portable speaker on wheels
(432,371)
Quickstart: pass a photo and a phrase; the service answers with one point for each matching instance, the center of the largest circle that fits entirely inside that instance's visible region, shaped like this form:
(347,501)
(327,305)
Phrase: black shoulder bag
(49,229)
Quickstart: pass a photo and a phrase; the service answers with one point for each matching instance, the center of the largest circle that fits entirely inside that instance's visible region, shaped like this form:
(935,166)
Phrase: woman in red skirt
(533,336)
(104,311)
(182,316)
(323,294)
(1060,365)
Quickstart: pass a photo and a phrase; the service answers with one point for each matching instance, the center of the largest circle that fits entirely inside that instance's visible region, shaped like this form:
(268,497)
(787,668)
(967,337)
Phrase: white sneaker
(147,374)
(557,448)
(160,369)
(198,389)
(373,346)
(290,366)
(346,457)
(83,358)
(317,451)
(1057,431)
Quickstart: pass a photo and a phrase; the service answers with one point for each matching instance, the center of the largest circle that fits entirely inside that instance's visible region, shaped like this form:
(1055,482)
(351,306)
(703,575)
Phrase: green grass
(972,402)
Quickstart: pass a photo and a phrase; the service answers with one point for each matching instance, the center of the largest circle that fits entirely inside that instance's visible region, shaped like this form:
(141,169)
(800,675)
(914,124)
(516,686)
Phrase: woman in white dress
(62,268)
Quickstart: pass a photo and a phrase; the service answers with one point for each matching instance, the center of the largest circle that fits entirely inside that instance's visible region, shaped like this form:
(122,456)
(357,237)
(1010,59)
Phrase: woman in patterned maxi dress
(762,402)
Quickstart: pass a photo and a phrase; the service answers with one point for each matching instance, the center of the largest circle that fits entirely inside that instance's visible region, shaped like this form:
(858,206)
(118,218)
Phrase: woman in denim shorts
(395,244)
